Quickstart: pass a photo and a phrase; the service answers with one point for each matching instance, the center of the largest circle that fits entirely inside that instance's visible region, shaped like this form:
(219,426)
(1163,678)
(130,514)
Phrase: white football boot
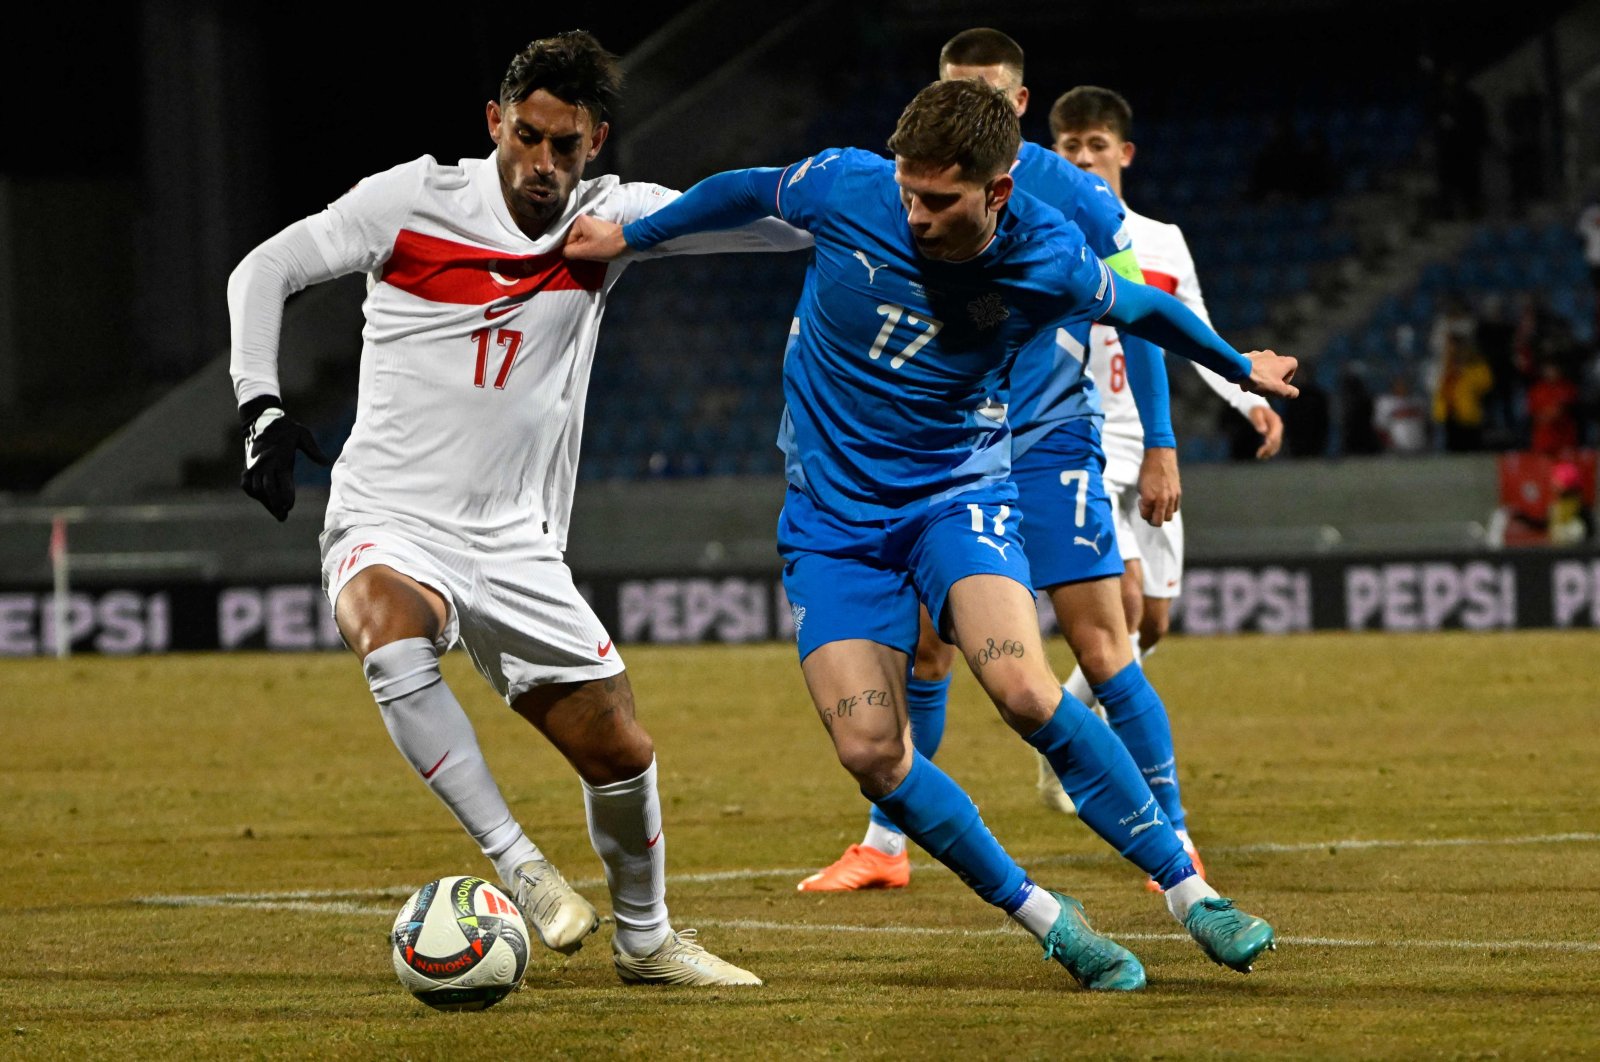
(679,961)
(1051,795)
(552,908)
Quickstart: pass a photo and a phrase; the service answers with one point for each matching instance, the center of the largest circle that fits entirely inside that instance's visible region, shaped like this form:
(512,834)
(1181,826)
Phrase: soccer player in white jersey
(448,514)
(1092,128)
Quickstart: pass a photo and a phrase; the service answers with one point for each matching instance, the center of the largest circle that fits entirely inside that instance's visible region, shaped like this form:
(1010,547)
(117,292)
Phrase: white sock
(436,738)
(1138,654)
(1077,684)
(1038,912)
(885,839)
(625,829)
(1186,893)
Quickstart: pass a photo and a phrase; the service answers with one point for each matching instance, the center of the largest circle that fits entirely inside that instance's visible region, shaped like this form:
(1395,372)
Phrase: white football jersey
(1165,260)
(477,347)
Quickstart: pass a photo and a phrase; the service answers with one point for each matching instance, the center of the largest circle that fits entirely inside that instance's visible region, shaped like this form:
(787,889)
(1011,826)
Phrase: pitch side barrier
(1513,589)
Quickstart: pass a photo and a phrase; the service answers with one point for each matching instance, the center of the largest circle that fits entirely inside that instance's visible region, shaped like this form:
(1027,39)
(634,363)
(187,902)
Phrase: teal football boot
(1097,963)
(1229,936)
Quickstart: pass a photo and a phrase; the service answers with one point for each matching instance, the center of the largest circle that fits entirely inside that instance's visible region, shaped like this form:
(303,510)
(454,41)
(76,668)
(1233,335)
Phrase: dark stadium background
(144,149)
(149,145)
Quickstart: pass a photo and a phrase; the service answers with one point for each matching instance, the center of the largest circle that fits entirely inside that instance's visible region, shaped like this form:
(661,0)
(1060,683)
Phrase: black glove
(270,442)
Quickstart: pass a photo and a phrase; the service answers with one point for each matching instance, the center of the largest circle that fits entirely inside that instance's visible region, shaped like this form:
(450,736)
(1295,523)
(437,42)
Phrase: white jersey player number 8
(893,314)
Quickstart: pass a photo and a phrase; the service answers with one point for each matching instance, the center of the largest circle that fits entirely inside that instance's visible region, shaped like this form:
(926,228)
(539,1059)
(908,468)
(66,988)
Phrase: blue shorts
(850,580)
(1072,535)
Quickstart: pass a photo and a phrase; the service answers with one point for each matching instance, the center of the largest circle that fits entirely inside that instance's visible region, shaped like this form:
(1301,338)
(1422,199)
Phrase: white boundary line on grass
(345,901)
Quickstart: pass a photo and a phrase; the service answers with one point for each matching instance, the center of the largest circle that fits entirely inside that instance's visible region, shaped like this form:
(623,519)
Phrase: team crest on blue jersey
(799,614)
(988,310)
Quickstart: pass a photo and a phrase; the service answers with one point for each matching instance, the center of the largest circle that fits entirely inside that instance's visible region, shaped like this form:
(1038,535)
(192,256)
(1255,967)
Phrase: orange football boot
(861,867)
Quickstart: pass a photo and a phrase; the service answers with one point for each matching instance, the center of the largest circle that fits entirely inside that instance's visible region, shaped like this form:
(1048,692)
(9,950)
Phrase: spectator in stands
(1495,336)
(1553,410)
(1458,398)
(1531,341)
(1400,418)
(1355,407)
(1306,425)
(1454,321)
(1571,521)
(1460,136)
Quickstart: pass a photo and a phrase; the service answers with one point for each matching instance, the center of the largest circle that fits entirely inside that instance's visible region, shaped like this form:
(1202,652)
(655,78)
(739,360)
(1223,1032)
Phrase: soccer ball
(460,944)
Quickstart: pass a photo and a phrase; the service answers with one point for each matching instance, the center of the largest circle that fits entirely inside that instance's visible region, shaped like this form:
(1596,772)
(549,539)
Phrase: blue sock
(938,815)
(1135,712)
(1111,794)
(925,701)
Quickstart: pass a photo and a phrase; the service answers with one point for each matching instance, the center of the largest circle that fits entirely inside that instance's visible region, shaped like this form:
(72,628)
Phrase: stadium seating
(699,341)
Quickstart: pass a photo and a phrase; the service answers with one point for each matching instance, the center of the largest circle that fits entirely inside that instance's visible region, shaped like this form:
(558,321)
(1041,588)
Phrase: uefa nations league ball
(460,944)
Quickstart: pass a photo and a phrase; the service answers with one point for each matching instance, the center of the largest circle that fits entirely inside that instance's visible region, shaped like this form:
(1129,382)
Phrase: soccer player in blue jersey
(928,276)
(1055,416)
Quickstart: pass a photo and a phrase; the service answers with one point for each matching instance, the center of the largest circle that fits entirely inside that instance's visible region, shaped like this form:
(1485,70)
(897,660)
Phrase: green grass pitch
(1415,814)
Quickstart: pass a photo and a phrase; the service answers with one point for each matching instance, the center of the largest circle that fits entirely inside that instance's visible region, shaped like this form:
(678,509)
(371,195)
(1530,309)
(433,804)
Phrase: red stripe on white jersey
(1165,281)
(442,270)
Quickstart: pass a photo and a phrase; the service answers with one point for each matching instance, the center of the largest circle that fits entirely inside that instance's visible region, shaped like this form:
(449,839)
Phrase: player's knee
(1100,652)
(625,757)
(876,764)
(1133,606)
(1029,706)
(373,612)
(934,660)
(1153,627)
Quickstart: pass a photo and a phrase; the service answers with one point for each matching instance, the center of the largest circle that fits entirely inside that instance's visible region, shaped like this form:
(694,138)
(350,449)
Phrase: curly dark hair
(964,123)
(572,67)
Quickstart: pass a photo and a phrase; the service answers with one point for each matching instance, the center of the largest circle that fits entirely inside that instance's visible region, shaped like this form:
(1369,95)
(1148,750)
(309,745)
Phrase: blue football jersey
(1050,383)
(896,374)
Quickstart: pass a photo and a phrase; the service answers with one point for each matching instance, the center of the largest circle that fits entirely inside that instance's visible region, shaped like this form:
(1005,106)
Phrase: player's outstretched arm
(721,201)
(1160,489)
(594,240)
(1162,319)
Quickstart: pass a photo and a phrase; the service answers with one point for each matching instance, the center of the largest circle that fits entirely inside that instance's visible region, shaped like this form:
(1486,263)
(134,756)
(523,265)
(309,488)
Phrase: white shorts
(513,605)
(1158,549)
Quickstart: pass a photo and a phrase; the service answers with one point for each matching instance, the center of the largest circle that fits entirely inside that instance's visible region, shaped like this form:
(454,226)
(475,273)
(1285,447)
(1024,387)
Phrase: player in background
(1092,128)
(448,513)
(928,277)
(1056,422)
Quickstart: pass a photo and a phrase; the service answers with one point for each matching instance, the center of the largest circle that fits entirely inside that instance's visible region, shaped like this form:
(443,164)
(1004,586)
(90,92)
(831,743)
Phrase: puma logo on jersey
(998,547)
(805,168)
(1155,820)
(1092,543)
(872,270)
